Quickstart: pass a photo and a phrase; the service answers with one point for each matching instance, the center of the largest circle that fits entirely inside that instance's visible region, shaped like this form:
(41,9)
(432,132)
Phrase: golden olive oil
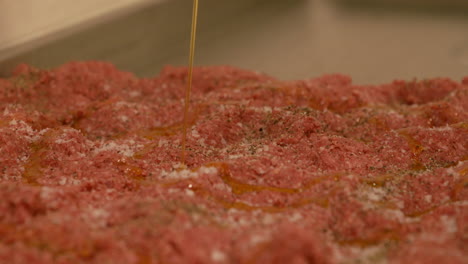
(189,79)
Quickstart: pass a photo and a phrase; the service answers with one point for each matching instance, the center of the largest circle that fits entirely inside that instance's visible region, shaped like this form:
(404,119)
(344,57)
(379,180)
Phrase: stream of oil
(189,80)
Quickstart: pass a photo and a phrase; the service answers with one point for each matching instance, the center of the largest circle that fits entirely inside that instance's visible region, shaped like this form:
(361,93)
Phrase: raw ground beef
(314,171)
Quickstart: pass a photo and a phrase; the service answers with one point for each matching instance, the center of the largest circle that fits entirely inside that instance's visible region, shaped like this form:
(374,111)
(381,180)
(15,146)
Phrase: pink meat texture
(310,171)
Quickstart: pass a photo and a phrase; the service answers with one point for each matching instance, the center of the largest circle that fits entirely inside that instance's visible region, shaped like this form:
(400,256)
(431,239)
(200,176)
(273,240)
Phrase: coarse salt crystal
(124,118)
(162,143)
(375,194)
(207,170)
(450,224)
(182,174)
(295,217)
(195,134)
(235,156)
(76,182)
(218,256)
(268,219)
(119,148)
(428,198)
(46,192)
(63,141)
(257,239)
(220,186)
(99,213)
(202,142)
(134,93)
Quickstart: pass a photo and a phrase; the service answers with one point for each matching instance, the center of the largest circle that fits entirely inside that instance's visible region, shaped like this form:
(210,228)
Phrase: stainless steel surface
(296,39)
(27,24)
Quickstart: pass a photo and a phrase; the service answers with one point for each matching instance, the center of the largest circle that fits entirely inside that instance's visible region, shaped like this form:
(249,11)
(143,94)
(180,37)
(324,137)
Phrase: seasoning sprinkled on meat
(311,171)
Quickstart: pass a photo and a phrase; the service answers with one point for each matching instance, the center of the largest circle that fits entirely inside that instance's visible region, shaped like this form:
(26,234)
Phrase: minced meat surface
(312,171)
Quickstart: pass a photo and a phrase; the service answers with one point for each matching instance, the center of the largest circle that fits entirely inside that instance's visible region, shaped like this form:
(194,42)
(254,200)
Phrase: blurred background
(373,41)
